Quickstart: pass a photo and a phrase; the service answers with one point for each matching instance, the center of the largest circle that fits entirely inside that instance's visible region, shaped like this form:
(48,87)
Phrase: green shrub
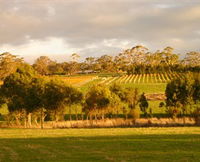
(173,111)
(134,113)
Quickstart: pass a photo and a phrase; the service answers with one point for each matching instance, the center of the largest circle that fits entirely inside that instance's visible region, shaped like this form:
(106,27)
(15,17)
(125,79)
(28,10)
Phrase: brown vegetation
(109,123)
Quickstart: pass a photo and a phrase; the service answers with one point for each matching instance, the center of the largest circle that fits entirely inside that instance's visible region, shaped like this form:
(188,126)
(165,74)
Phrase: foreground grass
(114,144)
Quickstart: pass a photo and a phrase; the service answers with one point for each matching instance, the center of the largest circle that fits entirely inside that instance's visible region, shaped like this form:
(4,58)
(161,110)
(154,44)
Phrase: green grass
(114,144)
(84,88)
(148,87)
(154,105)
(143,87)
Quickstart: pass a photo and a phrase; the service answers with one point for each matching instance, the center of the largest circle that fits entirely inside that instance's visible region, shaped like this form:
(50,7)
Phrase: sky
(58,28)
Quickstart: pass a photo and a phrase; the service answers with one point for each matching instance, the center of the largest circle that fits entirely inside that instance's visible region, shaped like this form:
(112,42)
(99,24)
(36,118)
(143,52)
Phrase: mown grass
(113,144)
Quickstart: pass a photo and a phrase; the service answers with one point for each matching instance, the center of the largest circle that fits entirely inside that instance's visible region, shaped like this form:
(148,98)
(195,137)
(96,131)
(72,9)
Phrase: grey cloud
(81,23)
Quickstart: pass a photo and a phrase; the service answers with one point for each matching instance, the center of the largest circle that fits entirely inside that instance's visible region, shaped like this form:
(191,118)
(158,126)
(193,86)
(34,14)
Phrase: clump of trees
(101,101)
(29,95)
(183,95)
(8,64)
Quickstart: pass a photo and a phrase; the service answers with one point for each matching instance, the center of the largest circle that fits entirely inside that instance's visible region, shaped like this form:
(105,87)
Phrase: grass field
(114,144)
(77,80)
(148,87)
(142,87)
(155,83)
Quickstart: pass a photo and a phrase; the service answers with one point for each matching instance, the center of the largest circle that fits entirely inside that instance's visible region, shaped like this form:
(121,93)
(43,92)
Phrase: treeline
(137,60)
(32,99)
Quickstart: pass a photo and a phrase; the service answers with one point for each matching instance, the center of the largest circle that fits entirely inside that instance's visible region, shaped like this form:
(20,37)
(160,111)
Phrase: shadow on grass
(103,148)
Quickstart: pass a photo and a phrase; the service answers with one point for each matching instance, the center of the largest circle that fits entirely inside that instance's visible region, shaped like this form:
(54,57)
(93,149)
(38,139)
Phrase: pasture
(148,83)
(113,144)
(77,80)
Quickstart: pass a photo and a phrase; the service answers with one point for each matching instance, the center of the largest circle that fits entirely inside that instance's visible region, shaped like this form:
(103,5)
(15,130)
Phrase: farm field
(113,144)
(148,83)
(141,78)
(77,80)
(142,87)
(124,79)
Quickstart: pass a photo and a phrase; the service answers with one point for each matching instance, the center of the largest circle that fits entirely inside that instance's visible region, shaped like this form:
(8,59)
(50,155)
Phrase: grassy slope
(116,144)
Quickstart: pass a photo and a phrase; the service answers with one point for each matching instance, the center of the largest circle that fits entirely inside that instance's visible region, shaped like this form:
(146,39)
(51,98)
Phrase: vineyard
(141,78)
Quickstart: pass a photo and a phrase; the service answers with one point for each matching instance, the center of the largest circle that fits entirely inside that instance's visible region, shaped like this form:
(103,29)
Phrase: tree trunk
(95,117)
(29,119)
(17,120)
(36,120)
(126,116)
(25,121)
(41,118)
(70,115)
(82,116)
(56,116)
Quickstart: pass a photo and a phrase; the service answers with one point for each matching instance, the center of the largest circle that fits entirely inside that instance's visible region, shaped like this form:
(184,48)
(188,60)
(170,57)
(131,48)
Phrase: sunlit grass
(148,87)
(113,144)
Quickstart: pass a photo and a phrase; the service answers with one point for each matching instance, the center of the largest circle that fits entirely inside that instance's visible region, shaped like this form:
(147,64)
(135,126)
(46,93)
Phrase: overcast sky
(58,28)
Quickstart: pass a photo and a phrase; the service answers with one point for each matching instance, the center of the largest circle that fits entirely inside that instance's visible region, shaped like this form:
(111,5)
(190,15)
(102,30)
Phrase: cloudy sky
(58,28)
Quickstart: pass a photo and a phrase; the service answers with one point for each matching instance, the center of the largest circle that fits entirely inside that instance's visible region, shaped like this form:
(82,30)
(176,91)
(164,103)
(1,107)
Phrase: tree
(15,90)
(132,97)
(106,63)
(143,103)
(90,61)
(196,87)
(100,100)
(8,64)
(179,94)
(58,95)
(55,68)
(36,101)
(192,59)
(135,55)
(169,57)
(73,65)
(119,91)
(42,64)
